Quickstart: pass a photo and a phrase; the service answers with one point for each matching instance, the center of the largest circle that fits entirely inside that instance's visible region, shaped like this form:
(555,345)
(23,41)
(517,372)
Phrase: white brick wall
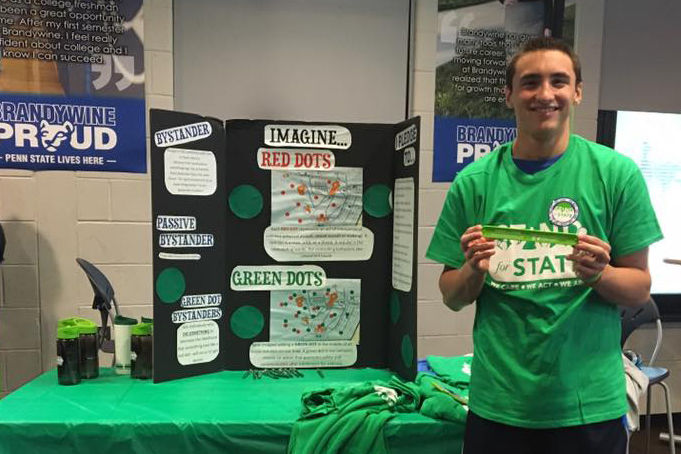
(17,200)
(440,331)
(20,286)
(50,218)
(94,199)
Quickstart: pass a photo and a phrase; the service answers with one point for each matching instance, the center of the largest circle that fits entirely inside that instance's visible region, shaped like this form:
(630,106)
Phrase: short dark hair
(543,43)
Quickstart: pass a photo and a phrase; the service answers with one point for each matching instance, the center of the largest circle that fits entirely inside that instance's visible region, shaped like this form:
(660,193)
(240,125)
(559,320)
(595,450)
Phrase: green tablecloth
(214,413)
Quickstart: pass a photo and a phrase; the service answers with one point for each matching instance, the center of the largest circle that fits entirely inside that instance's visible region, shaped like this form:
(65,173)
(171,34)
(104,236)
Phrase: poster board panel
(324,187)
(402,356)
(188,218)
(283,244)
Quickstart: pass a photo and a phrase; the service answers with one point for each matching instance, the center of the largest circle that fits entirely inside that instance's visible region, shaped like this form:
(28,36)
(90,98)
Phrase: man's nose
(544,91)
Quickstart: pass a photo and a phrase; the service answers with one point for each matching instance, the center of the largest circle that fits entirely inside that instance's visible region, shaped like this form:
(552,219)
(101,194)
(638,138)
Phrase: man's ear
(578,93)
(507,94)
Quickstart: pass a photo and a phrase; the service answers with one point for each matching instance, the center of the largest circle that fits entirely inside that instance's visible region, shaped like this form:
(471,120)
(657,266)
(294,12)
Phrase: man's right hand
(477,249)
(462,286)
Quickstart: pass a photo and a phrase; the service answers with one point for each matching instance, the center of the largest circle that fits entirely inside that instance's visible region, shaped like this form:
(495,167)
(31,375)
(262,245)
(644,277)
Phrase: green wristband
(594,280)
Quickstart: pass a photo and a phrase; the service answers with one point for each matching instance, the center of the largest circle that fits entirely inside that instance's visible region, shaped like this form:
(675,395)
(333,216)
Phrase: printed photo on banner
(476,38)
(72,86)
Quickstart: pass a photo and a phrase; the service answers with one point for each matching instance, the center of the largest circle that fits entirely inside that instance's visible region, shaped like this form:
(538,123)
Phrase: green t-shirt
(546,346)
(350,419)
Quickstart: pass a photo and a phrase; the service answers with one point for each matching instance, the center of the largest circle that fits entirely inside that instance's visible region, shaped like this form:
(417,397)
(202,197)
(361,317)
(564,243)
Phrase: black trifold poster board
(283,244)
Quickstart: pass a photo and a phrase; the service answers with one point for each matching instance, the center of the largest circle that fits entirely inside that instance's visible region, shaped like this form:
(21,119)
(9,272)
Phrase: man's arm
(625,280)
(460,287)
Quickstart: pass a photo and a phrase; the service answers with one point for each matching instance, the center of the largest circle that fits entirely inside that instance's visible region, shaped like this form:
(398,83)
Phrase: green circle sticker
(247,322)
(563,211)
(170,285)
(407,351)
(394,307)
(377,200)
(245,201)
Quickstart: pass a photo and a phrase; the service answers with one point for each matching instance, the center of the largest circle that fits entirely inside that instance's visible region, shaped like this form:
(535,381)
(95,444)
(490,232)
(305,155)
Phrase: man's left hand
(590,256)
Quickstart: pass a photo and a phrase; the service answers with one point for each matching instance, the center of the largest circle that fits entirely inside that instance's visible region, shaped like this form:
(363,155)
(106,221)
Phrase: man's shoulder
(602,154)
(591,146)
(483,166)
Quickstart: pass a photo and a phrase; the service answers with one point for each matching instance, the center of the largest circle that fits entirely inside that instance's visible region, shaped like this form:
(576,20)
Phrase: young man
(547,375)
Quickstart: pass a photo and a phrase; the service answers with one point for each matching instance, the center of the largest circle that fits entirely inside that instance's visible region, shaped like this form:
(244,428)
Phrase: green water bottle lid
(66,322)
(147,320)
(141,329)
(87,329)
(120,320)
(75,321)
(84,325)
(67,332)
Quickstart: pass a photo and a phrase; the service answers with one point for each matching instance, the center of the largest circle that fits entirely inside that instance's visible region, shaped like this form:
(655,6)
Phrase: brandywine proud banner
(72,85)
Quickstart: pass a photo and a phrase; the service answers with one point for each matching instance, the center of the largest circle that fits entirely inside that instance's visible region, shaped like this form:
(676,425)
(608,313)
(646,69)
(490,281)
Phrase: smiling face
(543,91)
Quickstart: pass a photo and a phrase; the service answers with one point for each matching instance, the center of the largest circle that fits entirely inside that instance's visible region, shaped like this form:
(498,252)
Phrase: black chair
(632,318)
(103,299)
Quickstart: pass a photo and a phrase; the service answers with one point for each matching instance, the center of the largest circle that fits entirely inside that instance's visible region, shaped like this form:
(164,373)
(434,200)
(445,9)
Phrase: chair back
(633,317)
(104,292)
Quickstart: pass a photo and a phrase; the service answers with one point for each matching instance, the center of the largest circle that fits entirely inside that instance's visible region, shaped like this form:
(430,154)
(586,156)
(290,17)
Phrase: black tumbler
(141,348)
(89,352)
(68,364)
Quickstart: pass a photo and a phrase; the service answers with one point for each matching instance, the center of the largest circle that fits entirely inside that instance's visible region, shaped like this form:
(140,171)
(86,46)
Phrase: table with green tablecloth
(214,413)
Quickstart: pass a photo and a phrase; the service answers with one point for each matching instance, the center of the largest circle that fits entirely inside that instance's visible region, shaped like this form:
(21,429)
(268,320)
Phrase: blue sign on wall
(72,84)
(49,133)
(459,141)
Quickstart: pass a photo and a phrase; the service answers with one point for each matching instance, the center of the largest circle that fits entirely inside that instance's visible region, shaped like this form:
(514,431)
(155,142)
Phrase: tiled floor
(658,424)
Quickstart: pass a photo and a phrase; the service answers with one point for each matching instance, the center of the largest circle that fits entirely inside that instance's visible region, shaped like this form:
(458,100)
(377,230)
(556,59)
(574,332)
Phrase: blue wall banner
(72,86)
(460,141)
(475,40)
